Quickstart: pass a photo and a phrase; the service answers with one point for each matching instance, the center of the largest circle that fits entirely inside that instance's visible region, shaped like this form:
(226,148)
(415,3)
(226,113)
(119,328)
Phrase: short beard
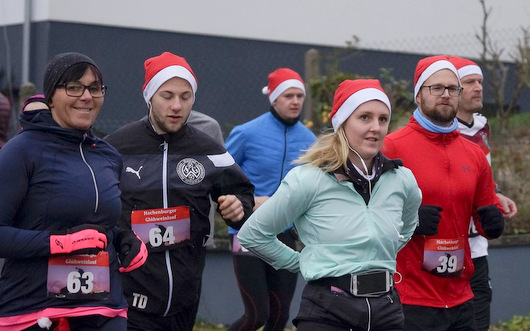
(439,116)
(443,117)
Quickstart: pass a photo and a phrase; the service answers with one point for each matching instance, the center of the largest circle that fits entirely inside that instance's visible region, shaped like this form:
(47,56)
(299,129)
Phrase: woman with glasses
(59,205)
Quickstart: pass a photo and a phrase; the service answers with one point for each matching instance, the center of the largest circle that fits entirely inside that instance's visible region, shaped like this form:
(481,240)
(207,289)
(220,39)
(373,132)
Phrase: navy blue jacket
(52,179)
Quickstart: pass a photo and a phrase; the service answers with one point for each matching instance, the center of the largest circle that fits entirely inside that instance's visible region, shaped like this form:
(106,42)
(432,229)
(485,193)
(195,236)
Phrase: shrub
(516,323)
(511,164)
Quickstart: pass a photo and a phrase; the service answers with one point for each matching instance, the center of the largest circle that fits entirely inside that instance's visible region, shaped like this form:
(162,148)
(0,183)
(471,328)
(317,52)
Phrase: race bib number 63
(79,276)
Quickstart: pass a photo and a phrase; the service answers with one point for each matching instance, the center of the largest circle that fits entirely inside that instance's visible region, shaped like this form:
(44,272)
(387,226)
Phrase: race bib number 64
(161,228)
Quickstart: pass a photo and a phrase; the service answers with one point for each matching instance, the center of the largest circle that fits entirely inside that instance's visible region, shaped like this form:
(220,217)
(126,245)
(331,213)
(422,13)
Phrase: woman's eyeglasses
(76,90)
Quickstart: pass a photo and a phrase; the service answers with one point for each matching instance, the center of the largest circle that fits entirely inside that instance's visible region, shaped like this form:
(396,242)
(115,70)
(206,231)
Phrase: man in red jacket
(474,127)
(456,181)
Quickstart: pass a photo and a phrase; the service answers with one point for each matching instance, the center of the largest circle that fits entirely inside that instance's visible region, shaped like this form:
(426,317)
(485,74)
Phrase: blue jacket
(53,179)
(265,149)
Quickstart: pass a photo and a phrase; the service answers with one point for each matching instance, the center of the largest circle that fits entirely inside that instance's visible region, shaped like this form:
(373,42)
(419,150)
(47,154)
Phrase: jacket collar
(42,120)
(382,164)
(444,138)
(166,136)
(284,122)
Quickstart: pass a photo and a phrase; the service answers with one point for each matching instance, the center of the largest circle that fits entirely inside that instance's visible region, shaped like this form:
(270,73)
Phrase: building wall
(233,44)
(414,26)
(231,72)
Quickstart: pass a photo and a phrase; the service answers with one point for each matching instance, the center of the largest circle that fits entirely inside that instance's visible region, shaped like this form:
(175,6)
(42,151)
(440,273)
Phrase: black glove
(131,250)
(491,220)
(429,218)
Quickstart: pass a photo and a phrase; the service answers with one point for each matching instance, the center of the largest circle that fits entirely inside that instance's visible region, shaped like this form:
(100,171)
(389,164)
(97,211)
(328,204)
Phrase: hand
(230,208)
(508,205)
(81,239)
(132,251)
(491,220)
(429,217)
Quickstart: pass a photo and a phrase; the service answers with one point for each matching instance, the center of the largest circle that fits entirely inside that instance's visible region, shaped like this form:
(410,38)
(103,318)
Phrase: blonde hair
(329,152)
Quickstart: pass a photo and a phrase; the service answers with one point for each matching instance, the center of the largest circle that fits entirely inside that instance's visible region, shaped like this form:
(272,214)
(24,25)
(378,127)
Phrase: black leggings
(179,321)
(480,284)
(266,292)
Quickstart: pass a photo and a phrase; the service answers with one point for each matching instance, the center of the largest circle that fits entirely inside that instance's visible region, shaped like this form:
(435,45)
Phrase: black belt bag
(371,283)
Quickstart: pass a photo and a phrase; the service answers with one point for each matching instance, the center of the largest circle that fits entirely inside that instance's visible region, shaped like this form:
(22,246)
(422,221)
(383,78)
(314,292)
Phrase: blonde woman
(354,209)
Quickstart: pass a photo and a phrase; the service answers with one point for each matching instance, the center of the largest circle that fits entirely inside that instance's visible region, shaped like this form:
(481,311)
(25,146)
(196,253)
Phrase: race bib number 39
(161,228)
(444,257)
(79,276)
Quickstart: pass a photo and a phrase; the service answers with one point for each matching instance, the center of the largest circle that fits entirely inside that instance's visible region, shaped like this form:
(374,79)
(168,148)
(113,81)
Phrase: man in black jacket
(170,171)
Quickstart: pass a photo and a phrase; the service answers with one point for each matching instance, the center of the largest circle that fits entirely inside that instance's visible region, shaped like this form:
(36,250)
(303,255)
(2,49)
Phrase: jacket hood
(42,120)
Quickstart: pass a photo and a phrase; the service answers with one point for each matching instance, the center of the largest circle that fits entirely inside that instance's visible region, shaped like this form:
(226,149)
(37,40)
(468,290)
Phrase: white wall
(412,26)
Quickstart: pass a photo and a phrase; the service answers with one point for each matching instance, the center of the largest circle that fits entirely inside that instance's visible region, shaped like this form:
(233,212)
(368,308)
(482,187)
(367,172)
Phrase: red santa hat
(351,94)
(428,66)
(465,67)
(160,69)
(280,80)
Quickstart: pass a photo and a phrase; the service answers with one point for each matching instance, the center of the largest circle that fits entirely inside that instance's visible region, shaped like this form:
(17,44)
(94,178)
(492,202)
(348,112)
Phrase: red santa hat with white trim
(351,94)
(428,66)
(465,67)
(280,80)
(160,69)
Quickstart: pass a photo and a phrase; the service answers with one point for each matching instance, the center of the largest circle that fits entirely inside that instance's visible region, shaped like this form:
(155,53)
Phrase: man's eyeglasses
(76,90)
(438,90)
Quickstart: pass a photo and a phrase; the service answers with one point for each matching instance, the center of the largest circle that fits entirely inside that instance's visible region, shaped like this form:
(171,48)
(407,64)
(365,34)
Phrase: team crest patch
(190,171)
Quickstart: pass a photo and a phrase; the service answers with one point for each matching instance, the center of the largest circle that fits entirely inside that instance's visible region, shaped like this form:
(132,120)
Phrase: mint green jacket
(340,232)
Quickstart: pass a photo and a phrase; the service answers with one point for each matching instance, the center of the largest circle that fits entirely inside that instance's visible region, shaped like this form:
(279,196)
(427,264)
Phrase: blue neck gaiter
(430,126)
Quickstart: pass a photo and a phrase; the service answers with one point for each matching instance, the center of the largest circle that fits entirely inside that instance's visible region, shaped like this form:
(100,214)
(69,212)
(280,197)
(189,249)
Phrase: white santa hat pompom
(44,323)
